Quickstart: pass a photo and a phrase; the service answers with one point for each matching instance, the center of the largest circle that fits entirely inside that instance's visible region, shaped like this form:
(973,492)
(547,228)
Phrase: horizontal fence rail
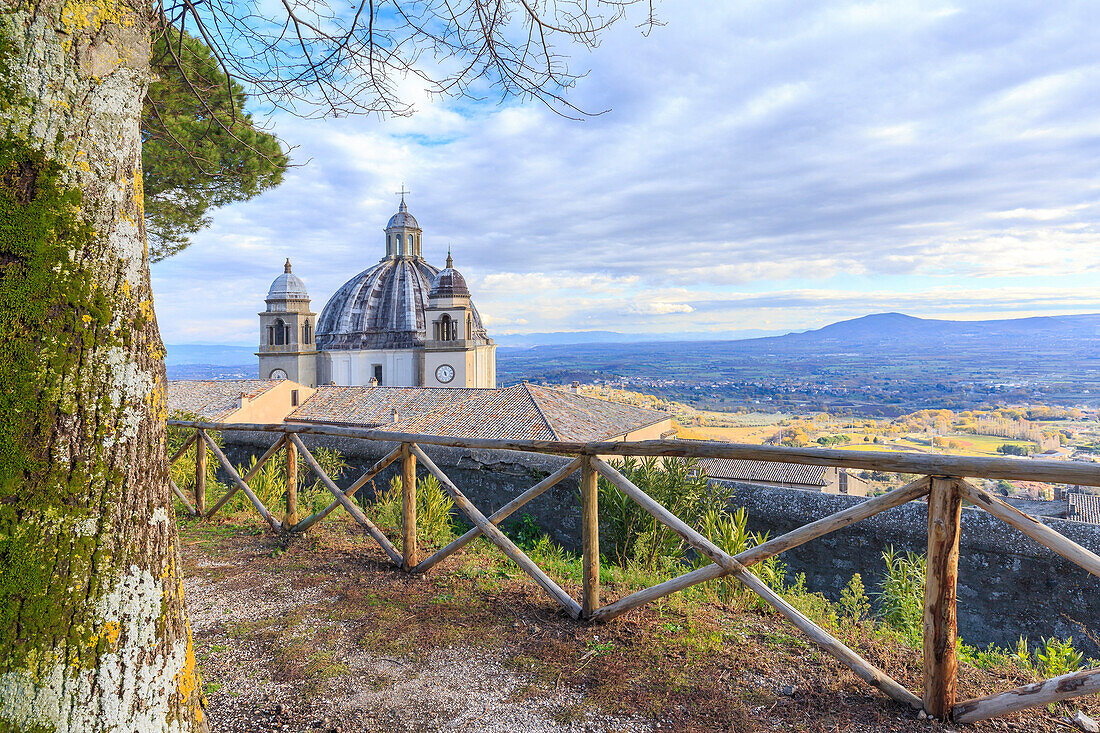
(941,482)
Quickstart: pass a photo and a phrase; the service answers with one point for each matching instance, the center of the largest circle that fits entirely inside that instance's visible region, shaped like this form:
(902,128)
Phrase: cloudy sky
(765,165)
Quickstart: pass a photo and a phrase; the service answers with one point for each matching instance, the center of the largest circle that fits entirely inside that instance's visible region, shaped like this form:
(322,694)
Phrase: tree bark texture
(93,635)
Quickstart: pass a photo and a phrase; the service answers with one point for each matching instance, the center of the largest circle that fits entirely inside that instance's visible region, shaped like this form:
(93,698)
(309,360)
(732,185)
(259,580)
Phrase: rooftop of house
(522,411)
(214,399)
(765,471)
(1084,507)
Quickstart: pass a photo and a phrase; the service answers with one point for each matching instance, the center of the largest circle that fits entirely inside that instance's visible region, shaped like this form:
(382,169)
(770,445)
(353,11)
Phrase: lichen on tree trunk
(93,635)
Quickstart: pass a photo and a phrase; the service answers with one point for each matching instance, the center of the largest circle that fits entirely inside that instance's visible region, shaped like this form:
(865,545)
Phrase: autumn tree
(93,635)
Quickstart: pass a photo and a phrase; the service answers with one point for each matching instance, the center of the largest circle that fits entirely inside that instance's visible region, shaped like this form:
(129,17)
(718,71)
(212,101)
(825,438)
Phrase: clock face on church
(444,373)
(278,374)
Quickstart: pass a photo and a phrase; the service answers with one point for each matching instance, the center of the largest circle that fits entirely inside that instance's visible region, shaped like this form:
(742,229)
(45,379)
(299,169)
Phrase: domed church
(402,323)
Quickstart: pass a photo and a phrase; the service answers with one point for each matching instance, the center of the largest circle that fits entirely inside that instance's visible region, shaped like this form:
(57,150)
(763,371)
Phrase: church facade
(401,323)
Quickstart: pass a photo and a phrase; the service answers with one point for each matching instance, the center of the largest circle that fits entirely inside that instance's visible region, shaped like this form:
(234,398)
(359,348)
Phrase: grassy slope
(689,662)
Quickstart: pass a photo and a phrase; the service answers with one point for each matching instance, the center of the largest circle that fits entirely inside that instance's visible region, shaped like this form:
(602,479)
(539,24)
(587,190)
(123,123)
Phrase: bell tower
(453,354)
(287,346)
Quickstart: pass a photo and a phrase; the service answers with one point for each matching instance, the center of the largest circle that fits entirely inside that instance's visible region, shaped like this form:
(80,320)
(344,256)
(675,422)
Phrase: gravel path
(454,689)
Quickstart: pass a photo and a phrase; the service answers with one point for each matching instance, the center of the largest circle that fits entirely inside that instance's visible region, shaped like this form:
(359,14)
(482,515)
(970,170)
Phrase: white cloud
(751,148)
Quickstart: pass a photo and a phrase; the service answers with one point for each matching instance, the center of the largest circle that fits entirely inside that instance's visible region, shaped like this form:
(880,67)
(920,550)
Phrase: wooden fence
(942,482)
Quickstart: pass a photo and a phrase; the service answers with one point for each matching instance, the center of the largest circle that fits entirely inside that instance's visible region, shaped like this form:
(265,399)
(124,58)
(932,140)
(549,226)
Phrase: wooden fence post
(940,618)
(291,517)
(590,531)
(200,475)
(408,507)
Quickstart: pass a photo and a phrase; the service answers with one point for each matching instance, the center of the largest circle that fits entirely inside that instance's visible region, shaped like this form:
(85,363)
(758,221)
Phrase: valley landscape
(881,365)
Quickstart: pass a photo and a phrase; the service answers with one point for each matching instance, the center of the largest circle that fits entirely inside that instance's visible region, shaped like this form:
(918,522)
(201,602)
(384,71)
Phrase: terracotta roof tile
(214,399)
(589,418)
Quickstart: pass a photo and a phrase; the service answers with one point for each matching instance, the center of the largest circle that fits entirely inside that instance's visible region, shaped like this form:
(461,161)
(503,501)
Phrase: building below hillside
(1083,507)
(236,400)
(828,479)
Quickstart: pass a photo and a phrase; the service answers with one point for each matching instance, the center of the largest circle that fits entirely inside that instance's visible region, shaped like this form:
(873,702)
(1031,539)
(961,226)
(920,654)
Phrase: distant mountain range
(211,354)
(894,327)
(878,327)
(562,338)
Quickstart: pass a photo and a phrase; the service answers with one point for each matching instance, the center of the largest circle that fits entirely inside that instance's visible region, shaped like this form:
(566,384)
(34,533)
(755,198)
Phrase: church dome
(449,283)
(383,308)
(287,286)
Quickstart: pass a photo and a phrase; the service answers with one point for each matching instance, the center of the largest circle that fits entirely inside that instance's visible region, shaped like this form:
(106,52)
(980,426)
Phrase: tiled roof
(521,411)
(213,399)
(1084,507)
(766,471)
(372,406)
(588,418)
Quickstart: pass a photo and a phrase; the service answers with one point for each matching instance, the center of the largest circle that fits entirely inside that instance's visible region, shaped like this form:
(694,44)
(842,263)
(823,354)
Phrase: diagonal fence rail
(941,483)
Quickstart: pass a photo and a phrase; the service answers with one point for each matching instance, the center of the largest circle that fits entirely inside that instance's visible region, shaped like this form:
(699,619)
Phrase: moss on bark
(92,631)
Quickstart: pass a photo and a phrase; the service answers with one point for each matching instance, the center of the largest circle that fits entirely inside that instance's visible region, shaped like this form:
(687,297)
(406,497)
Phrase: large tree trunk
(93,635)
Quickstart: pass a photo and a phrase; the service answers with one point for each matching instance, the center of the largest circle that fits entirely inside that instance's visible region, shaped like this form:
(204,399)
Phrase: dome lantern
(403,232)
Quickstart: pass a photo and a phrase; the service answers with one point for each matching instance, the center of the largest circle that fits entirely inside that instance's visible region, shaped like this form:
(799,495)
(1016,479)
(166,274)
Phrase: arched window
(280,332)
(307,333)
(445,328)
(270,335)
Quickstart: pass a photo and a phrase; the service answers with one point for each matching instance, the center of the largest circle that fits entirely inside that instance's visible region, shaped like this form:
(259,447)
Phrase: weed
(854,603)
(901,600)
(600,647)
(1057,657)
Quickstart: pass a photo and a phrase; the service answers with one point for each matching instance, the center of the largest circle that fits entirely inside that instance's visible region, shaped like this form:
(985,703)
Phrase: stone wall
(1008,585)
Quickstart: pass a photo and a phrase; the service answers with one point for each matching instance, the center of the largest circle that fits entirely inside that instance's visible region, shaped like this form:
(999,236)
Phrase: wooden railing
(943,483)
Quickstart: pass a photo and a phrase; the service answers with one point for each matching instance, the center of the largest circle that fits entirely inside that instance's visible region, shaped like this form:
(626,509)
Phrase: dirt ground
(320,634)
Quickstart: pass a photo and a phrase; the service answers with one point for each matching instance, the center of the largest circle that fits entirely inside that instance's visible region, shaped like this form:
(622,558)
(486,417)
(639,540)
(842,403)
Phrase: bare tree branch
(319,57)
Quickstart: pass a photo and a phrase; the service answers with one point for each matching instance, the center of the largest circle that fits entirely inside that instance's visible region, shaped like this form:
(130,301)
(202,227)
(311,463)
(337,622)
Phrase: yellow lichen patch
(112,629)
(187,679)
(157,403)
(139,191)
(90,15)
(146,307)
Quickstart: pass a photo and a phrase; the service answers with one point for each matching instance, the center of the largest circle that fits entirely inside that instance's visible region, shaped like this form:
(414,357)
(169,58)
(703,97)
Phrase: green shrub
(1056,657)
(183,470)
(269,483)
(632,536)
(525,531)
(434,524)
